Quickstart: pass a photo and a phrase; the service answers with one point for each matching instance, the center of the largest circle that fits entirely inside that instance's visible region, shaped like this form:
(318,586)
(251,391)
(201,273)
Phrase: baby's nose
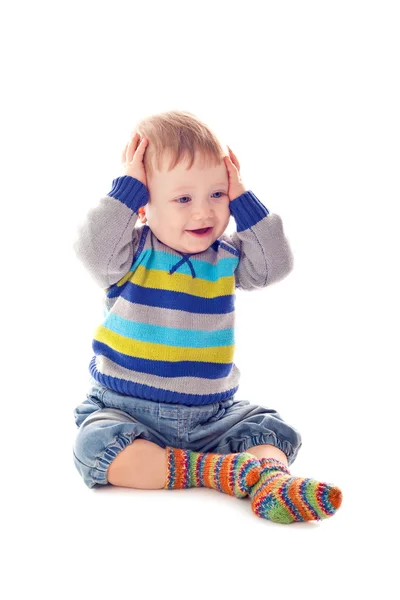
(203,210)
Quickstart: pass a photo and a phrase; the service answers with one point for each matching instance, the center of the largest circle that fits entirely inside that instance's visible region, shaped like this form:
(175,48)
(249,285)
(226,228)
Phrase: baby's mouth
(200,232)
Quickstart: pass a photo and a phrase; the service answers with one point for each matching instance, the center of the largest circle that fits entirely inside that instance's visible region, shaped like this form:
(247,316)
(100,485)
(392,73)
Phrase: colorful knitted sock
(233,474)
(284,499)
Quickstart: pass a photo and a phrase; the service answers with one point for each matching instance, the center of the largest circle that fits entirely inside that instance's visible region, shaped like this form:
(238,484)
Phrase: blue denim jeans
(109,421)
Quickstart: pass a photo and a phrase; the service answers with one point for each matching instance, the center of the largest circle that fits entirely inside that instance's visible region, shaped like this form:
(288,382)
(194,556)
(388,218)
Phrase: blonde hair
(183,134)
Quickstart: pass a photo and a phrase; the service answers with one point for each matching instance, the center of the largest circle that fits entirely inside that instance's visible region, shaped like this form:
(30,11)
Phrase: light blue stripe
(163,261)
(170,336)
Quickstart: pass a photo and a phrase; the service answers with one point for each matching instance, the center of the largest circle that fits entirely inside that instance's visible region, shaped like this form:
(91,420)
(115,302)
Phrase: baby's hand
(236,185)
(132,158)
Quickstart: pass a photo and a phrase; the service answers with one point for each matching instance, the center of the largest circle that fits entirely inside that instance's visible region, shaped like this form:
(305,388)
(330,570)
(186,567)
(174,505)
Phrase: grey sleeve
(107,240)
(265,253)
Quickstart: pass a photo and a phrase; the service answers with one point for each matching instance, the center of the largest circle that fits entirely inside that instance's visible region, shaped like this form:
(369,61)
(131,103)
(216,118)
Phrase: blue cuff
(247,210)
(129,191)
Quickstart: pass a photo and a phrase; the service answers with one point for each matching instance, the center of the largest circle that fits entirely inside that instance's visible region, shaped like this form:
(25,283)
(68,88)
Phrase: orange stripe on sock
(179,468)
(215,479)
(335,497)
(208,472)
(224,478)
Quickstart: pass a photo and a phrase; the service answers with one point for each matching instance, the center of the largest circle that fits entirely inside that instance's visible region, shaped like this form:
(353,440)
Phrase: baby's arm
(265,253)
(107,240)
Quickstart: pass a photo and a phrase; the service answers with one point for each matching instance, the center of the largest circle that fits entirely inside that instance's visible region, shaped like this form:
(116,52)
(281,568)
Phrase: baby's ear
(142,214)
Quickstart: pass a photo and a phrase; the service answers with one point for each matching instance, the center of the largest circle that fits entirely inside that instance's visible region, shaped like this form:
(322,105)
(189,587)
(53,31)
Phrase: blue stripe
(148,392)
(170,336)
(218,466)
(162,368)
(163,261)
(176,300)
(329,508)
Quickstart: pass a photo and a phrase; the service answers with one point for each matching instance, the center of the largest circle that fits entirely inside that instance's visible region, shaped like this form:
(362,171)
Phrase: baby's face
(182,200)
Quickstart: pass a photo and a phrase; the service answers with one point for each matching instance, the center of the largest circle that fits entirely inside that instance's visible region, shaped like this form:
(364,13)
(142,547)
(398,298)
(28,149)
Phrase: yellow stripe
(130,347)
(180,282)
(124,279)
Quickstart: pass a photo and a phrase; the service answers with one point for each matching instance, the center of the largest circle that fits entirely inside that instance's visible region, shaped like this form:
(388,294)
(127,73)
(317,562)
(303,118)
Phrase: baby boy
(161,411)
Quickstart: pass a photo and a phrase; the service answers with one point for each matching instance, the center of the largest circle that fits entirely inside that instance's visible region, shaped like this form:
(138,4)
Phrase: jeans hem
(98,473)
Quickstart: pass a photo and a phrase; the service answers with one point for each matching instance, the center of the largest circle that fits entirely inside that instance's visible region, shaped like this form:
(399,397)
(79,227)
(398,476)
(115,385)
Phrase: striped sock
(233,474)
(284,499)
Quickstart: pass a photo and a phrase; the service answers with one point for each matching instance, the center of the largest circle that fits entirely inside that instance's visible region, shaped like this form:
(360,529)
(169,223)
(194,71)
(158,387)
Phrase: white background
(307,95)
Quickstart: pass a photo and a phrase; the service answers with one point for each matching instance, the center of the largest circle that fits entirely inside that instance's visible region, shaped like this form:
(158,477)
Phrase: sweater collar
(186,257)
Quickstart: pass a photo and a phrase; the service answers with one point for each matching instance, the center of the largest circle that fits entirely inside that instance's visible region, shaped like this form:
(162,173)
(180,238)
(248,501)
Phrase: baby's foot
(279,497)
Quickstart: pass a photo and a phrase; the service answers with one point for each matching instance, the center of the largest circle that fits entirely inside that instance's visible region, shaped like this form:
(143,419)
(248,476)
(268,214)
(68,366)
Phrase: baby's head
(187,181)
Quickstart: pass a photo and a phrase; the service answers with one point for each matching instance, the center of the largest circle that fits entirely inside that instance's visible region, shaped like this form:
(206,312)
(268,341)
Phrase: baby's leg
(145,465)
(110,449)
(141,465)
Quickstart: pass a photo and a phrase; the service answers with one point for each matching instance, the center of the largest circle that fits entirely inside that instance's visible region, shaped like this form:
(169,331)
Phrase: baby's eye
(222,193)
(182,198)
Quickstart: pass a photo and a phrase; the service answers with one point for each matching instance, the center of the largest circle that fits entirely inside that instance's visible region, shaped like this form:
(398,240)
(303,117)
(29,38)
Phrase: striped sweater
(168,328)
